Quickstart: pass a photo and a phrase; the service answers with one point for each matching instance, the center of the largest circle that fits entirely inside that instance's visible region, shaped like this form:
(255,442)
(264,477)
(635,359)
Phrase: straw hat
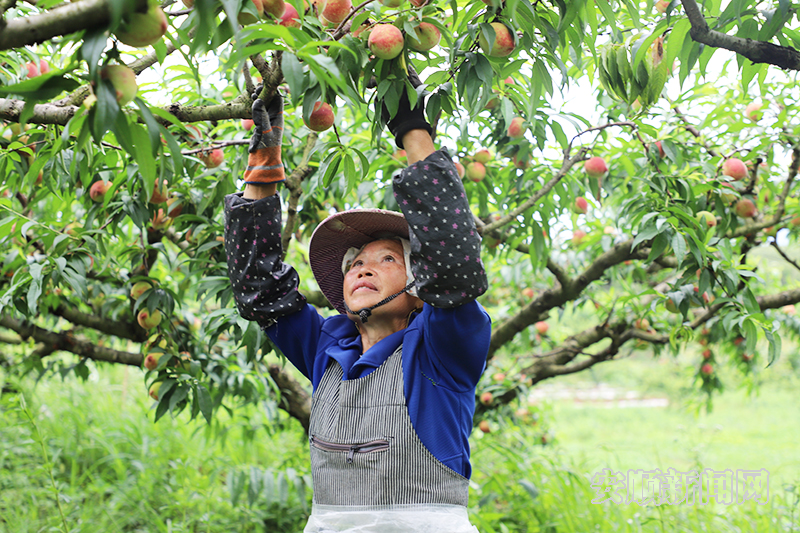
(342,231)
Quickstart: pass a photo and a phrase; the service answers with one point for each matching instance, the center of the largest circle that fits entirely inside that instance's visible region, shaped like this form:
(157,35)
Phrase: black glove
(407,119)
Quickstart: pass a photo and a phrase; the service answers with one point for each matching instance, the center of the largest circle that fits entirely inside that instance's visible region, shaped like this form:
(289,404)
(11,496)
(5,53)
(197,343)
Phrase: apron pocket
(376,445)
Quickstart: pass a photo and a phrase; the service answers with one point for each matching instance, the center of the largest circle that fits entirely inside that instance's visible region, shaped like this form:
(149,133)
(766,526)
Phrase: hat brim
(342,231)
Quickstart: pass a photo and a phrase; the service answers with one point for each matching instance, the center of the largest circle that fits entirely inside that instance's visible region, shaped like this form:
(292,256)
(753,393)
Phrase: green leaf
(205,402)
(153,129)
(143,154)
(44,87)
(293,72)
(774,346)
(331,169)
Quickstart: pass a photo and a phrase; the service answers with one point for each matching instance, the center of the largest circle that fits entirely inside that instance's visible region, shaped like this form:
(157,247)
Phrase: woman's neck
(374,331)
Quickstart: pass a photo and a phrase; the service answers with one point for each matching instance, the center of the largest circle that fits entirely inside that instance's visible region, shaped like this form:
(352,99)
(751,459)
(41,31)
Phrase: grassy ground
(114,470)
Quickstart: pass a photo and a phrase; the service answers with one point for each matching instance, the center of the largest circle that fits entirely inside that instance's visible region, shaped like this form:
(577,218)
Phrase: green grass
(114,470)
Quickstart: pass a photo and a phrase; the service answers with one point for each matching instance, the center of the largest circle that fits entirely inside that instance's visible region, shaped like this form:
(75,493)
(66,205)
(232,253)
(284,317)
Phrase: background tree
(634,209)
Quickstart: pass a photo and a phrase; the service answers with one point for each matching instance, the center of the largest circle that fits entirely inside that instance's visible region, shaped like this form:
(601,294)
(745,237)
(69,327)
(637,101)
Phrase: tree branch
(569,290)
(239,107)
(123,330)
(53,341)
(568,163)
(784,57)
(295,185)
(294,399)
(62,20)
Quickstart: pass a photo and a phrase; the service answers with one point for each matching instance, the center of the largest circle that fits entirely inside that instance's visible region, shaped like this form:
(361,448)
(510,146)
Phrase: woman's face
(378,272)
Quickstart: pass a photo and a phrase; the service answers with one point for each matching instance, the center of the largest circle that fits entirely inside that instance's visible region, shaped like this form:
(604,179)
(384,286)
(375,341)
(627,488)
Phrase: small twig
(215,144)
(789,260)
(695,133)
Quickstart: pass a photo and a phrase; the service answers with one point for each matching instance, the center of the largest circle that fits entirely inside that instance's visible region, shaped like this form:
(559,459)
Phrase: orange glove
(264,162)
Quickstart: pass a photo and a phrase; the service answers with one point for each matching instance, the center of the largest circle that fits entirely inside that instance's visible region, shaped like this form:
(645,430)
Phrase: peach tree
(624,161)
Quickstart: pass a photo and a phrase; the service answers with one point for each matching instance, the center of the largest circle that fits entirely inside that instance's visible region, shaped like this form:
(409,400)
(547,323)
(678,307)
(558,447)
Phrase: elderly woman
(394,374)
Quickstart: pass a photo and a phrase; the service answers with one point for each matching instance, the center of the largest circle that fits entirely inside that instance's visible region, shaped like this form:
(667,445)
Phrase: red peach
(336,10)
(734,168)
(516,130)
(321,117)
(98,190)
(595,166)
(503,43)
(581,205)
(385,41)
(290,17)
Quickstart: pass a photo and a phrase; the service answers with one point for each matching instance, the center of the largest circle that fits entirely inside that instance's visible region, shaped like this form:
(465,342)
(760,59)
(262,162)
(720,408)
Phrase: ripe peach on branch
(321,117)
(385,41)
(503,43)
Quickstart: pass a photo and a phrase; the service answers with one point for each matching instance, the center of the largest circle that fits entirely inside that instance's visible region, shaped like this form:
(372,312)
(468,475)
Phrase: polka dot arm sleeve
(264,287)
(445,246)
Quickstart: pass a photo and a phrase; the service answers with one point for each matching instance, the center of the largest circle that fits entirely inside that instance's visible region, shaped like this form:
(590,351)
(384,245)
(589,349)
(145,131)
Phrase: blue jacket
(444,347)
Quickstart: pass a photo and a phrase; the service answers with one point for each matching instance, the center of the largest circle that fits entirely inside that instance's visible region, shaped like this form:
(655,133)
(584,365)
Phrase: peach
(503,43)
(728,196)
(143,29)
(151,361)
(581,205)
(751,111)
(173,212)
(745,208)
(213,158)
(153,392)
(98,190)
(516,130)
(321,117)
(139,288)
(706,218)
(425,37)
(149,320)
(363,31)
(123,79)
(476,171)
(247,124)
(541,327)
(37,69)
(734,168)
(290,17)
(336,10)
(385,41)
(662,5)
(276,8)
(483,156)
(577,236)
(460,170)
(521,161)
(596,167)
(246,17)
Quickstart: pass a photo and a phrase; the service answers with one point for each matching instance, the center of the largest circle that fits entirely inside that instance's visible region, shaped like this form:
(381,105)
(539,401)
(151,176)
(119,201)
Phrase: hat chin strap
(365,313)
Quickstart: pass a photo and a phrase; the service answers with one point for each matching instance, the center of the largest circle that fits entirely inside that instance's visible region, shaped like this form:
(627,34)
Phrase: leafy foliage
(69,260)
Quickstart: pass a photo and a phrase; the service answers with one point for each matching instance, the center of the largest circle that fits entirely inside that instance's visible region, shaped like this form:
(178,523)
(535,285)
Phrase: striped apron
(371,471)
